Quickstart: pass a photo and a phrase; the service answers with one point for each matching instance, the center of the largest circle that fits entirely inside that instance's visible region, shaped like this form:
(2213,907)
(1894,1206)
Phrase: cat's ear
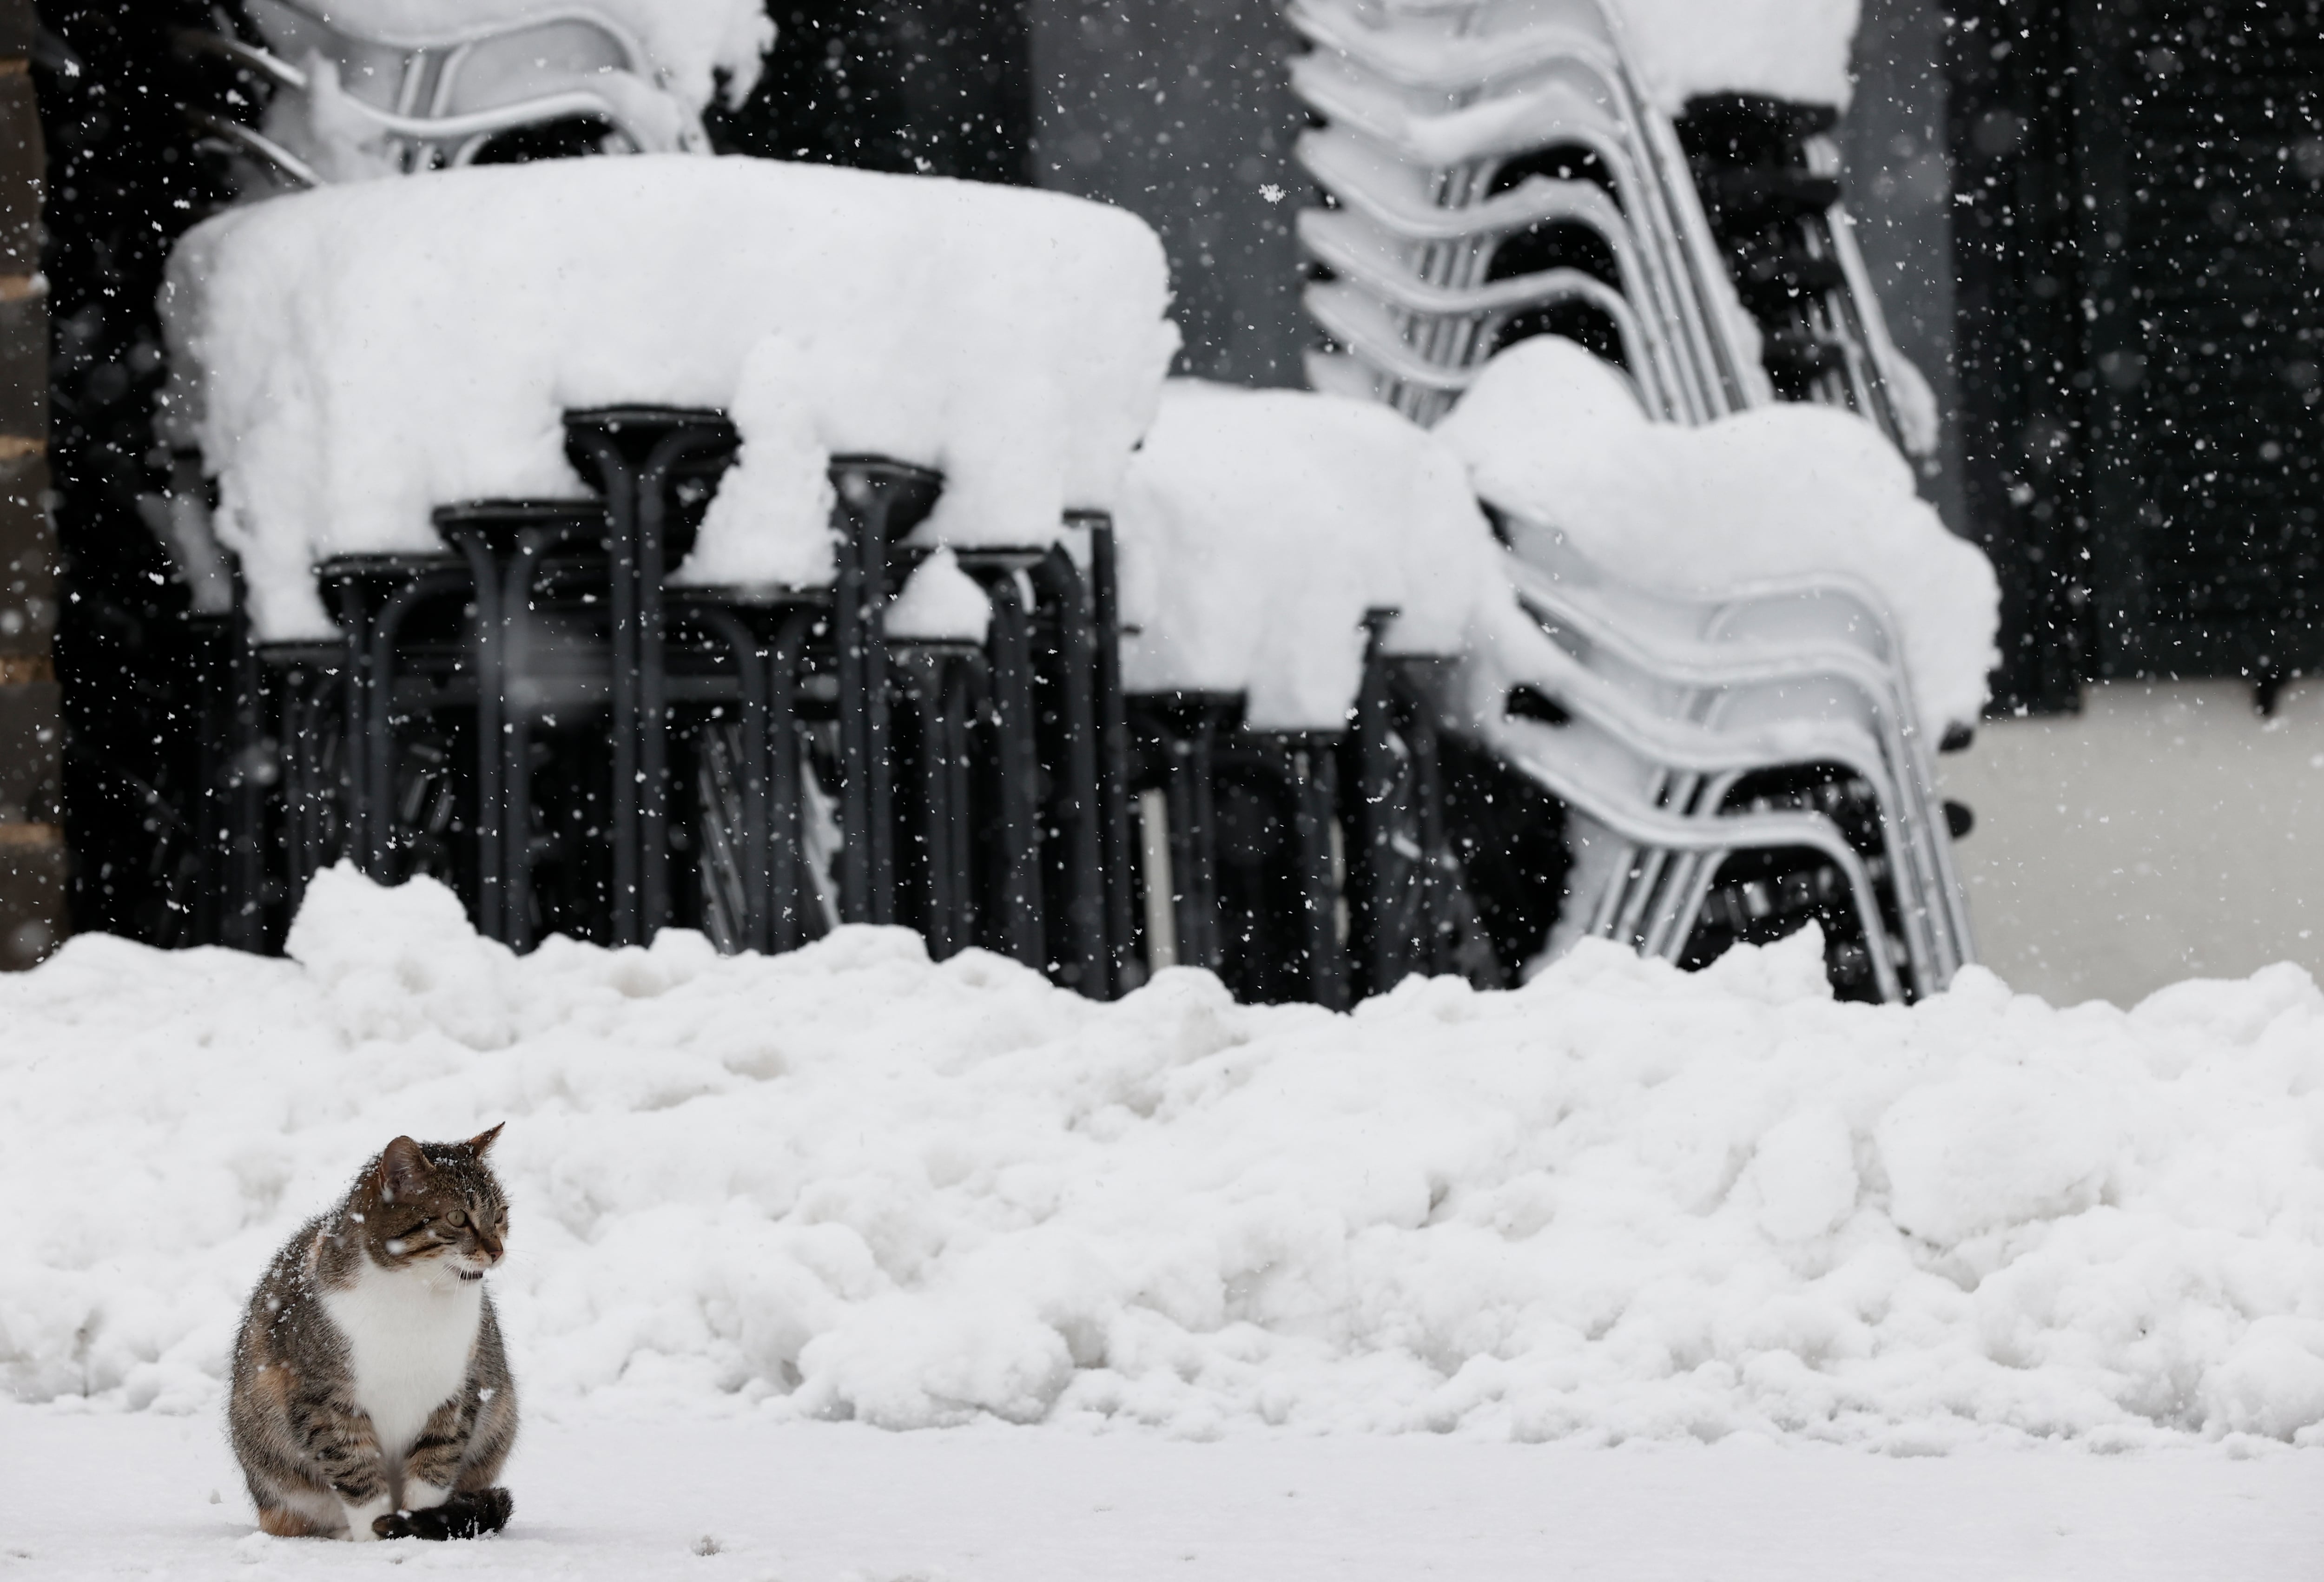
(402,1170)
(483,1140)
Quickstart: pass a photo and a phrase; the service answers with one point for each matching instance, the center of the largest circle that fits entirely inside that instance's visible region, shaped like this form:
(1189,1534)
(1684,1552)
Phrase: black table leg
(1113,752)
(877,504)
(1017,904)
(1314,787)
(786,818)
(1074,775)
(387,627)
(634,457)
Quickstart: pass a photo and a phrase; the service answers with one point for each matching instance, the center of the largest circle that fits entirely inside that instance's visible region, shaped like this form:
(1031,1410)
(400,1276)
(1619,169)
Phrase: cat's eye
(456,1217)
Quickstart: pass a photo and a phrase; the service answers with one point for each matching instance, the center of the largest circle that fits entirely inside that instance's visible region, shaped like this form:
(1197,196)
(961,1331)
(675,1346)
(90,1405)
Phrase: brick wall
(31,730)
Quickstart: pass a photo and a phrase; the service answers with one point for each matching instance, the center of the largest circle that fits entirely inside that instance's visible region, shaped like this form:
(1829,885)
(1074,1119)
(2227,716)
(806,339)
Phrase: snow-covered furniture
(780,422)
(1753,654)
(1488,120)
(1287,558)
(363,88)
(1688,569)
(1461,141)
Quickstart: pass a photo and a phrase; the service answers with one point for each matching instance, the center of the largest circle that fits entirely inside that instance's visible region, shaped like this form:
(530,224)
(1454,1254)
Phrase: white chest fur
(408,1338)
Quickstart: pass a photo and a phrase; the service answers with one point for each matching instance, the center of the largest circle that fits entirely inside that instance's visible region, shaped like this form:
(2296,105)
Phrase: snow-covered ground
(89,1495)
(1623,1203)
(1790,1287)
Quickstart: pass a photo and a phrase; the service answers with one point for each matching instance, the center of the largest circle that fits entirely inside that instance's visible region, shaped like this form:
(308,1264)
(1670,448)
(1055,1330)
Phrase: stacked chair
(1490,171)
(1493,171)
(1782,702)
(416,102)
(1769,173)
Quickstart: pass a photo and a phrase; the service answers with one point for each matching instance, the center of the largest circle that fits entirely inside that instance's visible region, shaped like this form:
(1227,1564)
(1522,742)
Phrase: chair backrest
(528,63)
(1461,19)
(413,100)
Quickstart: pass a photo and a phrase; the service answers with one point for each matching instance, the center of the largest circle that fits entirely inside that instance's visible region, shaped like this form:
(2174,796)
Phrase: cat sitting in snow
(371,1397)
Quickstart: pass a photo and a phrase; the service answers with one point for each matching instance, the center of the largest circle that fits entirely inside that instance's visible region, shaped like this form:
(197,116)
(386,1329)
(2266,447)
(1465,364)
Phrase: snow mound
(1621,1201)
(349,358)
(1554,435)
(939,604)
(1257,527)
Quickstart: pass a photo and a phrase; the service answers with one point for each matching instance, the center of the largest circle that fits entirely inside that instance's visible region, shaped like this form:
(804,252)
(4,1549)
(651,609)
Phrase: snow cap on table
(695,47)
(1555,437)
(1257,528)
(347,359)
(939,604)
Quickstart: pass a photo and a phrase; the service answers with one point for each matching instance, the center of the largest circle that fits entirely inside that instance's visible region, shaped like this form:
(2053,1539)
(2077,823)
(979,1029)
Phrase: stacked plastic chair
(346,102)
(1786,698)
(1769,175)
(1493,172)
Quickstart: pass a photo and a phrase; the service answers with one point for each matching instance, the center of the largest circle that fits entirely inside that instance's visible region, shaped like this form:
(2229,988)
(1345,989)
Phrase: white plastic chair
(1464,150)
(1597,774)
(1779,652)
(351,105)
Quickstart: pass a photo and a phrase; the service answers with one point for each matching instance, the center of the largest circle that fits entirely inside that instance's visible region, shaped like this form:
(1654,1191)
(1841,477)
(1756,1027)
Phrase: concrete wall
(1182,114)
(2166,831)
(32,727)
(1898,186)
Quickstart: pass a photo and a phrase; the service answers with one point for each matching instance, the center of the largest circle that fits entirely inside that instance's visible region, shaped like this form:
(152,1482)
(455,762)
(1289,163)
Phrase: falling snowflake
(1271,192)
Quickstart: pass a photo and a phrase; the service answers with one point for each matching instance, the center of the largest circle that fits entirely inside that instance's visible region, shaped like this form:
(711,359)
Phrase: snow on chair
(1694,586)
(1703,663)
(361,91)
(1471,116)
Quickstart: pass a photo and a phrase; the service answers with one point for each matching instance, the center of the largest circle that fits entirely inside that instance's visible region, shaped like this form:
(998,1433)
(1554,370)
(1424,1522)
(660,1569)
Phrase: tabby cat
(371,1395)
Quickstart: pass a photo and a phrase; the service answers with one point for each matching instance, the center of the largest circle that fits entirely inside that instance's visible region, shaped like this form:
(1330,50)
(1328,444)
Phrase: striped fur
(373,1323)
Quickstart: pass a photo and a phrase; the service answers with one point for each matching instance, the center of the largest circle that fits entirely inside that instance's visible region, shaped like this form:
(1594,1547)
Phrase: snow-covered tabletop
(349,358)
(1257,528)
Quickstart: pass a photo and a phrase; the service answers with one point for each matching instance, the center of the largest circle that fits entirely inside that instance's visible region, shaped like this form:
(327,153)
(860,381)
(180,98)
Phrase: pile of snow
(1558,439)
(1257,528)
(1620,1201)
(1679,50)
(695,47)
(349,358)
(939,604)
(1795,50)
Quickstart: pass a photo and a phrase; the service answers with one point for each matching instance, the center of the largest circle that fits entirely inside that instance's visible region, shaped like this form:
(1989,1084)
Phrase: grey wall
(1898,185)
(1178,110)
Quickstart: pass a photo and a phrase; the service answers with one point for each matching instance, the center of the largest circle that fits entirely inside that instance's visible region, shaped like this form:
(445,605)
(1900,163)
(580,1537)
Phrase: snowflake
(1271,192)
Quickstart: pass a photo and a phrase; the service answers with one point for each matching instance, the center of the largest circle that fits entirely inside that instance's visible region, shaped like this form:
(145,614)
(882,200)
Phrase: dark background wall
(1897,178)
(31,729)
(2139,231)
(1179,111)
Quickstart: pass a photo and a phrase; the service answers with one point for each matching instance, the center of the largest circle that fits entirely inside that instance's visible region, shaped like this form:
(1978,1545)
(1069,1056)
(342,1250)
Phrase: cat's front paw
(464,1515)
(394,1524)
